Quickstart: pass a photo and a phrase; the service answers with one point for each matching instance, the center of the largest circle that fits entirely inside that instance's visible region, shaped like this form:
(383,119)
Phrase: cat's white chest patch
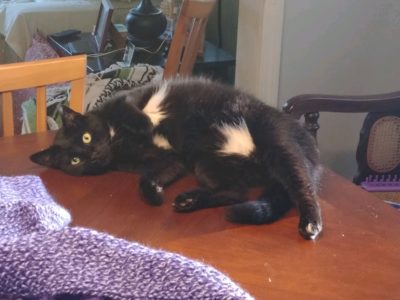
(161,142)
(153,106)
(238,139)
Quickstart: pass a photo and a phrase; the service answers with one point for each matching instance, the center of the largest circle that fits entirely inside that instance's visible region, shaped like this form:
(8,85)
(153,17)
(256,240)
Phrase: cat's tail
(269,207)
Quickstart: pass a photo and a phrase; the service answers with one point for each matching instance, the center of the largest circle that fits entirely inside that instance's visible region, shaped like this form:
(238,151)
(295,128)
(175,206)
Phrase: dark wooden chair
(378,150)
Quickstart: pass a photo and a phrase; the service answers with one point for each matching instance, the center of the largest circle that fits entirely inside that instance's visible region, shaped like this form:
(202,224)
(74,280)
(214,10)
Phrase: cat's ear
(69,117)
(47,157)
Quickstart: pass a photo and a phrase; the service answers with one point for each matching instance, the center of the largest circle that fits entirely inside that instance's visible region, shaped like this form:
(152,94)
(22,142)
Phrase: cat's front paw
(310,228)
(151,191)
(186,202)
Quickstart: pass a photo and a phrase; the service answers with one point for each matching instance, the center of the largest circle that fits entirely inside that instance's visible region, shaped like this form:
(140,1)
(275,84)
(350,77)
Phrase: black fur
(284,159)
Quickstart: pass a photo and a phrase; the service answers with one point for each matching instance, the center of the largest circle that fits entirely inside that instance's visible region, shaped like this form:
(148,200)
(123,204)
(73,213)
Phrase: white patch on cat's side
(153,106)
(161,142)
(238,139)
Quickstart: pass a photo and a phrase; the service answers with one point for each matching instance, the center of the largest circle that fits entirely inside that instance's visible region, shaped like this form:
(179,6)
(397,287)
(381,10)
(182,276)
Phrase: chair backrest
(39,74)
(378,150)
(187,37)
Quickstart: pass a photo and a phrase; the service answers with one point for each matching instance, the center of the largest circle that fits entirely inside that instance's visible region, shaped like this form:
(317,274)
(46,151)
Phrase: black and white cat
(227,138)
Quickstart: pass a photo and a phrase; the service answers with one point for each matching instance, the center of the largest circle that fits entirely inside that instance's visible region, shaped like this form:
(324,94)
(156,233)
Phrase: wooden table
(358,256)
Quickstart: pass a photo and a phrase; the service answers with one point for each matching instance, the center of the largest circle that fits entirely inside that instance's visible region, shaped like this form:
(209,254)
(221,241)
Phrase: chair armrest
(310,105)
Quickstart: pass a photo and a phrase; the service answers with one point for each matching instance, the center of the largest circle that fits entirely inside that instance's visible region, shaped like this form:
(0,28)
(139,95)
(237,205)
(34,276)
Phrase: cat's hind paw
(151,191)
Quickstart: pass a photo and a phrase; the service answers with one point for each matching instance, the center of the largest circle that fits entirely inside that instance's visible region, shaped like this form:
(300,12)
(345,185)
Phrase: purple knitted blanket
(41,257)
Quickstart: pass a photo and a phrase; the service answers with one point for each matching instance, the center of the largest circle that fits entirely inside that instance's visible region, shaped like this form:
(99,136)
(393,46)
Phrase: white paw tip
(313,230)
(158,188)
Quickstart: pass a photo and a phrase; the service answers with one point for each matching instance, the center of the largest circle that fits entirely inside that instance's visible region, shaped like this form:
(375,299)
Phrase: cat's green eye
(86,138)
(75,161)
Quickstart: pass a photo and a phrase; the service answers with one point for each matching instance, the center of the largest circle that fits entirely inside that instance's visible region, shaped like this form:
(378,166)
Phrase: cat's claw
(151,191)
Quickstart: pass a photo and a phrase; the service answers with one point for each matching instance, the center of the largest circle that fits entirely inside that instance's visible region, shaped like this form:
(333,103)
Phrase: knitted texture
(26,206)
(41,256)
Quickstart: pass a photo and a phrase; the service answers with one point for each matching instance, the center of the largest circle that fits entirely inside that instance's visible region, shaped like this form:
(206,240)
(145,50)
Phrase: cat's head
(81,146)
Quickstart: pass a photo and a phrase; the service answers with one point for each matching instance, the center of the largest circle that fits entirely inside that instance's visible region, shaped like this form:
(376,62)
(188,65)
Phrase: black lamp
(145,24)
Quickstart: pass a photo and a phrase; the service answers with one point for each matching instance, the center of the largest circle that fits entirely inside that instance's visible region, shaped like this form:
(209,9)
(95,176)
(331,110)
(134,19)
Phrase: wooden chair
(40,74)
(378,150)
(187,37)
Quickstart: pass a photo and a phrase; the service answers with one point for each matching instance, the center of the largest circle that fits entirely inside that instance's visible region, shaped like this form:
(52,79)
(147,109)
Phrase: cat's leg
(220,185)
(310,225)
(206,198)
(270,206)
(157,175)
(300,177)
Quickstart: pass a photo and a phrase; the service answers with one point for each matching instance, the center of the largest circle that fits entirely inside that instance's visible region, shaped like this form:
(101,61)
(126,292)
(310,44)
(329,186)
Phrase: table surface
(357,257)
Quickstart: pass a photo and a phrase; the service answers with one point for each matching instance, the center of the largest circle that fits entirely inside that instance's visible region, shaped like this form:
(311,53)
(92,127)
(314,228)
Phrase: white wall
(340,47)
(258,48)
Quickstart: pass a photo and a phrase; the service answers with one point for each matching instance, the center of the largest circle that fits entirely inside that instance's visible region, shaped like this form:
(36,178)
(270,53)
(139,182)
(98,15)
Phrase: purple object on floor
(40,256)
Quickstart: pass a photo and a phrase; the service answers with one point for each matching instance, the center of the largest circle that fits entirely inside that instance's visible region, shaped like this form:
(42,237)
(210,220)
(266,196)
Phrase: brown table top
(358,256)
